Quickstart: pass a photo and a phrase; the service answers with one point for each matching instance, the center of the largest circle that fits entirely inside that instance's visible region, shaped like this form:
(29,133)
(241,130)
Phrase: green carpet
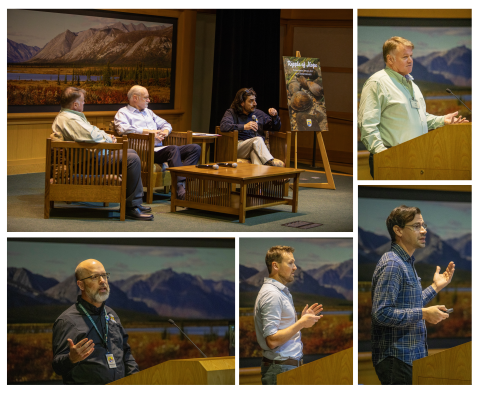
(332,208)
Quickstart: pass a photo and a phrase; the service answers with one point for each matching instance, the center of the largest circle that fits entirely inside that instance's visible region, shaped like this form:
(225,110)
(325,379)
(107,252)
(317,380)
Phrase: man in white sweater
(72,125)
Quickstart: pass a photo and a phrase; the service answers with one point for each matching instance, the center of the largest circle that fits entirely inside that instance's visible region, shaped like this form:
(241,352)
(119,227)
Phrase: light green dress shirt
(72,125)
(387,115)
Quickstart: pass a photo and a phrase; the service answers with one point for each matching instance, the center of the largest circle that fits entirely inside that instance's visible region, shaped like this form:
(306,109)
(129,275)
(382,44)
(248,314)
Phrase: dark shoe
(144,209)
(135,214)
(180,192)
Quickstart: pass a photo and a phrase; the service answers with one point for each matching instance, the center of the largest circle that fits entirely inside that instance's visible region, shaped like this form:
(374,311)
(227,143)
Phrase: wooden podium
(452,366)
(215,370)
(335,369)
(441,154)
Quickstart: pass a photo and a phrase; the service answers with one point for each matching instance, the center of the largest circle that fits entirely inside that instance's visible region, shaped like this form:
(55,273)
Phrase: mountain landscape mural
(372,246)
(105,59)
(162,294)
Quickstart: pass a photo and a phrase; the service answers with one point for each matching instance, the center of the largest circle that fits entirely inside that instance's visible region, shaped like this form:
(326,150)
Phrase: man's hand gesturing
(314,309)
(442,280)
(452,119)
(309,317)
(81,350)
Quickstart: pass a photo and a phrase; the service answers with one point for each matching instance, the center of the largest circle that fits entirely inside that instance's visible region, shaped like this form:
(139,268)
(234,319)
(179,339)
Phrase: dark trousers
(393,371)
(370,163)
(134,178)
(178,156)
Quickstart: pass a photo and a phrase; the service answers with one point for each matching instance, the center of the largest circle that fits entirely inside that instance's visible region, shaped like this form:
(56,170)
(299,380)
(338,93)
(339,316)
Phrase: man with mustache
(399,307)
(251,123)
(90,346)
(276,324)
(392,108)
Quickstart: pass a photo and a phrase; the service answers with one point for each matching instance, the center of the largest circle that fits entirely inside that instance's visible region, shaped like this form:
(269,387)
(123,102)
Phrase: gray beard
(97,297)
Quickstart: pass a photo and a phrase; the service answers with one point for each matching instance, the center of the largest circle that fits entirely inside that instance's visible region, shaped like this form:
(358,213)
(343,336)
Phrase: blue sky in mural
(309,252)
(447,219)
(425,39)
(37,28)
(59,260)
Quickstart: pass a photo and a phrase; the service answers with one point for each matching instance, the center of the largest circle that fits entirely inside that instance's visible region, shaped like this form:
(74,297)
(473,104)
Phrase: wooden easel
(330,184)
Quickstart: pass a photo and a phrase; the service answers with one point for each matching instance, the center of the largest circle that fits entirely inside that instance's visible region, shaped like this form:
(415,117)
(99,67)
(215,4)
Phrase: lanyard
(107,318)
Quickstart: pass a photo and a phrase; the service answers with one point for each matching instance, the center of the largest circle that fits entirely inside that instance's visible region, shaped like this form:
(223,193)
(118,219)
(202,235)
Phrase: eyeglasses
(417,226)
(248,92)
(98,276)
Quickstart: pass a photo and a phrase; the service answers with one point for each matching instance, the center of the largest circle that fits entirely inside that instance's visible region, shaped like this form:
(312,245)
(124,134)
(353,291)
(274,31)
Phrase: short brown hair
(275,253)
(400,216)
(240,98)
(391,44)
(70,95)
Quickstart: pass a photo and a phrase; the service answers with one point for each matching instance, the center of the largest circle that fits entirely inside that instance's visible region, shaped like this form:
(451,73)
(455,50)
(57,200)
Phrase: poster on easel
(306,100)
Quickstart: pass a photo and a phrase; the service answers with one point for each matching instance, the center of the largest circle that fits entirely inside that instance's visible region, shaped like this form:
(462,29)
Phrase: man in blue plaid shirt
(398,302)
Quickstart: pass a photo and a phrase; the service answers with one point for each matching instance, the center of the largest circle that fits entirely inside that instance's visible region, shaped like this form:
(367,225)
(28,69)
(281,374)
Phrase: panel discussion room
(180,120)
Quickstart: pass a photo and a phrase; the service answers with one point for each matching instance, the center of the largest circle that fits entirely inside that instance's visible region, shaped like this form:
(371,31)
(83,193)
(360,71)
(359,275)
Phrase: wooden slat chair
(278,143)
(74,173)
(154,176)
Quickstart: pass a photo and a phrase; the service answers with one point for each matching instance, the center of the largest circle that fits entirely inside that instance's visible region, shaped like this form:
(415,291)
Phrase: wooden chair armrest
(227,145)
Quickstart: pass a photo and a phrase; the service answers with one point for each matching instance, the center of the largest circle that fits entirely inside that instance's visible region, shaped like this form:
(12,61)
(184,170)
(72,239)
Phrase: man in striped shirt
(398,303)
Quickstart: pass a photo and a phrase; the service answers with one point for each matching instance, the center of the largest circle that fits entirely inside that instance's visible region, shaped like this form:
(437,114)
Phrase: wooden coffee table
(215,190)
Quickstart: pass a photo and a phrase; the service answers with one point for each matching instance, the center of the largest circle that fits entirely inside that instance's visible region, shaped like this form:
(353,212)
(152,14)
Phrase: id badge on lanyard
(109,356)
(110,360)
(414,103)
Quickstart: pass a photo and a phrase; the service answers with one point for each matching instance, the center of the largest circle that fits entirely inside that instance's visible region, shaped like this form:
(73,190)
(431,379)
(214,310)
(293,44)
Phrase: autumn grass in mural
(107,85)
(148,349)
(331,334)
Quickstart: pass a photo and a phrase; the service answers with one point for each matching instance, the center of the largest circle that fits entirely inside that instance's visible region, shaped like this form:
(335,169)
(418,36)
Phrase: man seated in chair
(72,125)
(251,124)
(137,118)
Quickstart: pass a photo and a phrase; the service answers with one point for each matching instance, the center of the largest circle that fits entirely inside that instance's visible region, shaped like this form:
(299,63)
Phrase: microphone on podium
(211,166)
(449,91)
(233,165)
(172,322)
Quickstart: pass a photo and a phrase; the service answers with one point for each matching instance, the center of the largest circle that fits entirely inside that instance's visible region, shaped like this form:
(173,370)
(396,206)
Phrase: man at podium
(398,302)
(90,346)
(276,324)
(392,108)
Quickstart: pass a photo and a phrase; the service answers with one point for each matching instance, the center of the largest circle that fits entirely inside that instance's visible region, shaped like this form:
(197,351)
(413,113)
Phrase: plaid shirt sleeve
(385,300)
(428,294)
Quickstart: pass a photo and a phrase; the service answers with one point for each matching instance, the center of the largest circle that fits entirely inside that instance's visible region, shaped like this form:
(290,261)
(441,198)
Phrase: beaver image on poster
(306,100)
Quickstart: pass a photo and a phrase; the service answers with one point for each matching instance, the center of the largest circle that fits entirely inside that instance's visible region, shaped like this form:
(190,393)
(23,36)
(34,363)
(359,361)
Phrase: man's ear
(398,231)
(389,59)
(81,285)
(274,266)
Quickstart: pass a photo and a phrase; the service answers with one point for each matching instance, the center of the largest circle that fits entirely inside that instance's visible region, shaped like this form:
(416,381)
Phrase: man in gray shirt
(276,324)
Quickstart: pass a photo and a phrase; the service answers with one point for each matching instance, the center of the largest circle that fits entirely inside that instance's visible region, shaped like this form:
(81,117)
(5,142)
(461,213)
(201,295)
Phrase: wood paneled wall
(328,35)
(27,133)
